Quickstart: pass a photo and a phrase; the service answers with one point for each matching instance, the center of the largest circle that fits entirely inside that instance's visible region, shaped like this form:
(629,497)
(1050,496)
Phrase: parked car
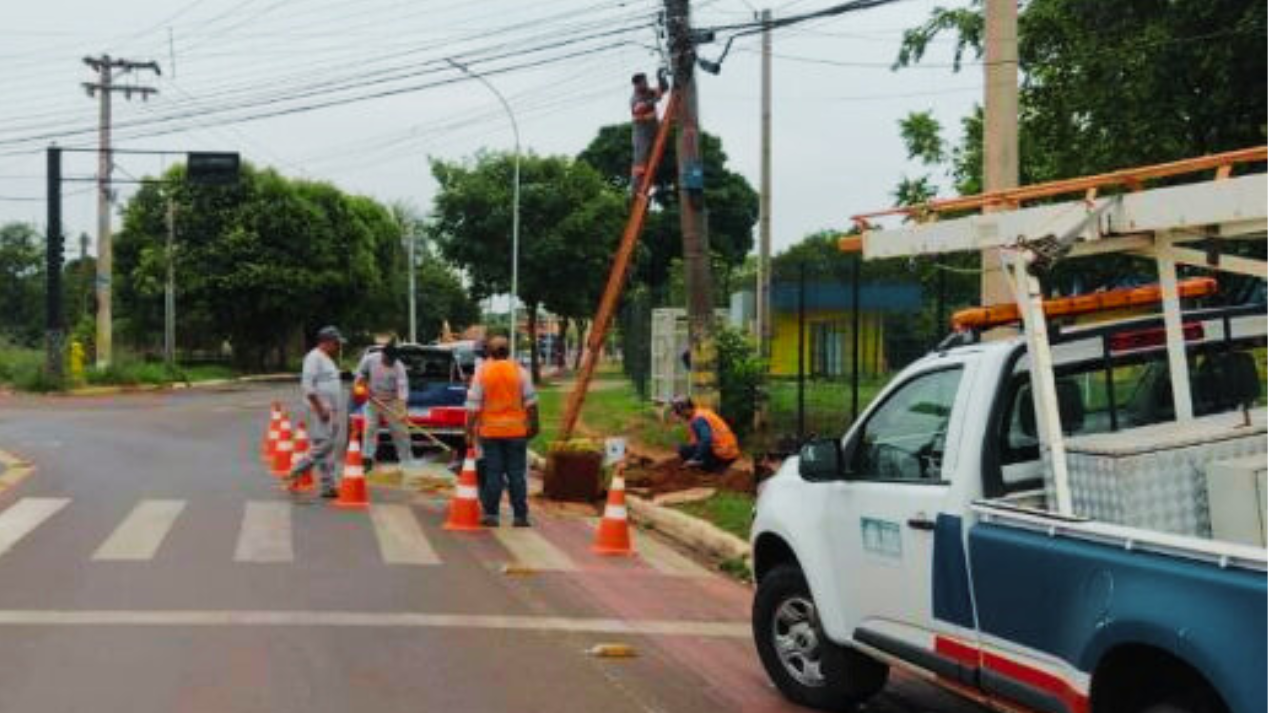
(925,537)
(468,354)
(438,397)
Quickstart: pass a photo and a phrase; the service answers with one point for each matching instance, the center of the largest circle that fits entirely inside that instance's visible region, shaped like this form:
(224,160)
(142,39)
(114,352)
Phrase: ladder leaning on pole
(618,273)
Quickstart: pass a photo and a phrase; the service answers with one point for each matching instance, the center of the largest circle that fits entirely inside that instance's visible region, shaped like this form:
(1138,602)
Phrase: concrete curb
(694,533)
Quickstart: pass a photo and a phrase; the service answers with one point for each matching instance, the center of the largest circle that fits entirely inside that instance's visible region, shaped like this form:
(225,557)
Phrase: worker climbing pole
(620,270)
(692,214)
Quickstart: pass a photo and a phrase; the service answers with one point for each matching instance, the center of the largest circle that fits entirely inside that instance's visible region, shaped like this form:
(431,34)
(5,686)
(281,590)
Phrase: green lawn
(730,511)
(612,408)
(827,403)
(23,368)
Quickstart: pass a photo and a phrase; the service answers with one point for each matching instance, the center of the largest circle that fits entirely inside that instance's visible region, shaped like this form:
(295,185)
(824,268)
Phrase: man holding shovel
(384,377)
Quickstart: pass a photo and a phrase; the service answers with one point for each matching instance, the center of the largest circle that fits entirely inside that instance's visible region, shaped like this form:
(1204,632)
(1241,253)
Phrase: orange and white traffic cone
(271,434)
(352,484)
(282,450)
(613,536)
(303,482)
(464,507)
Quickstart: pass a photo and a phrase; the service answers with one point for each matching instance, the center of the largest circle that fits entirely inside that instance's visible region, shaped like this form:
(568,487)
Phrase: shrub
(742,376)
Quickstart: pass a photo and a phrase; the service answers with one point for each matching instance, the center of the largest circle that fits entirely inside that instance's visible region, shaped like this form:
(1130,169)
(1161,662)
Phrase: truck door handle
(920,522)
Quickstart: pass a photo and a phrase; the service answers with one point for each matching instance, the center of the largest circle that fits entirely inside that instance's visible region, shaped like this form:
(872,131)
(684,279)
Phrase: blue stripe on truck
(951,603)
(1078,600)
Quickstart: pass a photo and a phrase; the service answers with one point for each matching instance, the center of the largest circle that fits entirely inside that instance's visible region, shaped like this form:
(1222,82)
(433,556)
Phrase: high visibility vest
(723,443)
(643,105)
(502,412)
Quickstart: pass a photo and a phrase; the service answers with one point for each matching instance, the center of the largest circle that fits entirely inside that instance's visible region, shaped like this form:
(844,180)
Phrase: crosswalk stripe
(532,550)
(141,533)
(401,540)
(24,516)
(265,535)
(664,558)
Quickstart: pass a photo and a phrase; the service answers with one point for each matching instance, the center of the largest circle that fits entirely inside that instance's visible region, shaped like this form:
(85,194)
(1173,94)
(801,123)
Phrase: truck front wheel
(807,668)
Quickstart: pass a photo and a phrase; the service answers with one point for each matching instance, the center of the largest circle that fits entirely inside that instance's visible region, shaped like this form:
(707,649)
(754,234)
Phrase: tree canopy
(732,203)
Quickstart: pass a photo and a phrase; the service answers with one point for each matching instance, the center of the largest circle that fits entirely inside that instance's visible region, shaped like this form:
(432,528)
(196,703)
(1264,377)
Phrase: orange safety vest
(724,441)
(643,105)
(502,413)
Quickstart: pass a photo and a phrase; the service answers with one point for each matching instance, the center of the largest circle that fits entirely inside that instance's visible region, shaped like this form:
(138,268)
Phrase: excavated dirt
(653,476)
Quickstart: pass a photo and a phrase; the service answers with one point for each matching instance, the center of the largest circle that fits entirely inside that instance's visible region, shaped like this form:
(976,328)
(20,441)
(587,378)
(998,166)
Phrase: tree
(442,297)
(1107,86)
(732,203)
(21,283)
(570,222)
(259,263)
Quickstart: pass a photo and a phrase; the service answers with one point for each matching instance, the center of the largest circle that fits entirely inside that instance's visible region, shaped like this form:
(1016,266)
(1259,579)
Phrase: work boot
(522,522)
(330,493)
(489,520)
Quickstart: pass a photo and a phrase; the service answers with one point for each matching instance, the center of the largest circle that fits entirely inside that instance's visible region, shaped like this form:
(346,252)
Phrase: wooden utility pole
(762,296)
(107,69)
(1000,127)
(692,214)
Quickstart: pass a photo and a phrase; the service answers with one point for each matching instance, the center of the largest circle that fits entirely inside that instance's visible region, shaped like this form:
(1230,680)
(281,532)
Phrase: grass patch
(737,568)
(612,408)
(730,511)
(23,368)
(827,403)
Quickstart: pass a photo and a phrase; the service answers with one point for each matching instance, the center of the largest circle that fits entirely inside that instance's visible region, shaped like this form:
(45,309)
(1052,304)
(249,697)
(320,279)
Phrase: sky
(563,65)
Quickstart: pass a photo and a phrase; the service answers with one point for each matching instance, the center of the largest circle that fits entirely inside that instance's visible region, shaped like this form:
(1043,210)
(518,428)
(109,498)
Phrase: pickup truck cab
(926,537)
(437,401)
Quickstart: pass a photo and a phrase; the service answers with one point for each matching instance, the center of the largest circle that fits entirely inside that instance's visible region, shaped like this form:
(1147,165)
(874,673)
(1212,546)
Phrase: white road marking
(658,555)
(118,617)
(401,540)
(532,550)
(141,533)
(24,516)
(266,533)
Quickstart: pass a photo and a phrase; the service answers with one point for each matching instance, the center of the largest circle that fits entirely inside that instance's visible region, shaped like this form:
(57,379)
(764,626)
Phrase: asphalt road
(149,563)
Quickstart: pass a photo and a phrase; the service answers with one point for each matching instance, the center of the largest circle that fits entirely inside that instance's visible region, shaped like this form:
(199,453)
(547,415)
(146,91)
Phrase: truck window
(905,437)
(1223,377)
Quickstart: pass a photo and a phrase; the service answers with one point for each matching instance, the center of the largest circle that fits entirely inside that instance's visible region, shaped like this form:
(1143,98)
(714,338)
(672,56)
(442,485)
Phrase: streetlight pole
(515,203)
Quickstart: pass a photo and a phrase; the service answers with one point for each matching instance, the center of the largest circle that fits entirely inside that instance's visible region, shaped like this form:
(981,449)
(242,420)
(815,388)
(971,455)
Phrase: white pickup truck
(1103,551)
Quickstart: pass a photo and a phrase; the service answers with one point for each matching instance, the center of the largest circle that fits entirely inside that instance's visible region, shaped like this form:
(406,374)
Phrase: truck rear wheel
(807,668)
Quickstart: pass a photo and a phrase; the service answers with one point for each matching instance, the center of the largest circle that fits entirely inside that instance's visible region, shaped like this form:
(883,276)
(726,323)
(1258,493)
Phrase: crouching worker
(711,445)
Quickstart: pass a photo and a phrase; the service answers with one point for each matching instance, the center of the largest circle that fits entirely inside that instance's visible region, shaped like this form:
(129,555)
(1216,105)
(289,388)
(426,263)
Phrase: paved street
(150,564)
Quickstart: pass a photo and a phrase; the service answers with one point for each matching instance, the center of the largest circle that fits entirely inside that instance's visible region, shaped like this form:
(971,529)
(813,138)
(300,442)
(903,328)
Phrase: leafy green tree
(570,222)
(259,264)
(731,201)
(441,297)
(21,283)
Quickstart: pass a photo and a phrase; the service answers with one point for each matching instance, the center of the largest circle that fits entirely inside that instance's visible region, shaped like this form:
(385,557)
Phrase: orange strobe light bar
(978,318)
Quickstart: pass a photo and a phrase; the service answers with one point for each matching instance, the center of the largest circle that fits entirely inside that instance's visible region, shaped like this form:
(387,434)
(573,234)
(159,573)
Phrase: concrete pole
(692,214)
(169,288)
(104,251)
(762,296)
(1000,127)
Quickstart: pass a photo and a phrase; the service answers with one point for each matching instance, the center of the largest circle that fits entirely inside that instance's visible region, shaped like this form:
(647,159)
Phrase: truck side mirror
(820,460)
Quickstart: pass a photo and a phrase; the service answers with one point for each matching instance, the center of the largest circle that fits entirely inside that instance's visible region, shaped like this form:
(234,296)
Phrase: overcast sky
(836,149)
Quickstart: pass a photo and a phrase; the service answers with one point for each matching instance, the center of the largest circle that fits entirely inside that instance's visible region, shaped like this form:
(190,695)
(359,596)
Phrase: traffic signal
(212,169)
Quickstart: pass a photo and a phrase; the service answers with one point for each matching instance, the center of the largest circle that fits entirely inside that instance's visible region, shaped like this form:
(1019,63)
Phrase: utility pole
(1000,127)
(762,297)
(692,214)
(54,330)
(169,288)
(108,69)
(410,239)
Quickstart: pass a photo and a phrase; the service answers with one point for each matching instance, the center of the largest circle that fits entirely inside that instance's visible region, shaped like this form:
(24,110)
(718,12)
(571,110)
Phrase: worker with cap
(323,394)
(711,445)
(643,118)
(502,416)
(382,374)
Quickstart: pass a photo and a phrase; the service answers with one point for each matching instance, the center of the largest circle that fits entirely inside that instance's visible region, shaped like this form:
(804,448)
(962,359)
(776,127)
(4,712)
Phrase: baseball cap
(330,333)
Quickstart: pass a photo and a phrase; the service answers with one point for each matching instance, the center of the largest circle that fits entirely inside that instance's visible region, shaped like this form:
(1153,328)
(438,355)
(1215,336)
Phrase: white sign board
(614,450)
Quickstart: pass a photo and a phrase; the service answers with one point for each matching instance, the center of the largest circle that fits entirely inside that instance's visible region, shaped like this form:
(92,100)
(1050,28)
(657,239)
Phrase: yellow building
(828,318)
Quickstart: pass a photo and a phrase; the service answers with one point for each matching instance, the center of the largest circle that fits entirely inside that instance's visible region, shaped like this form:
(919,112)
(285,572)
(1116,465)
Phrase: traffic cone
(282,450)
(613,536)
(304,482)
(352,484)
(271,434)
(464,507)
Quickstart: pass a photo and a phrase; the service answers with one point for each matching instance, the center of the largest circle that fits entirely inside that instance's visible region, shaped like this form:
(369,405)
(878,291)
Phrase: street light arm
(515,127)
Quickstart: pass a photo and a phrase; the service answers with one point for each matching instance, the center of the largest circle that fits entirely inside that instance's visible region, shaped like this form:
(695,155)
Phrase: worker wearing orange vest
(711,444)
(643,118)
(502,415)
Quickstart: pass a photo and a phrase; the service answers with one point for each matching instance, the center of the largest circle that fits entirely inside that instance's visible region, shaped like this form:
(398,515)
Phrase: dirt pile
(647,476)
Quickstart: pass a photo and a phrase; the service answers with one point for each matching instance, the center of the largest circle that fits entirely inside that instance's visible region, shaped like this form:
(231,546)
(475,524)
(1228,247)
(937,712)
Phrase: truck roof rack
(1160,223)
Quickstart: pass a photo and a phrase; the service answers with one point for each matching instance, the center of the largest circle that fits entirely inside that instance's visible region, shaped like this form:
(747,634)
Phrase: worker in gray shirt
(388,385)
(324,395)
